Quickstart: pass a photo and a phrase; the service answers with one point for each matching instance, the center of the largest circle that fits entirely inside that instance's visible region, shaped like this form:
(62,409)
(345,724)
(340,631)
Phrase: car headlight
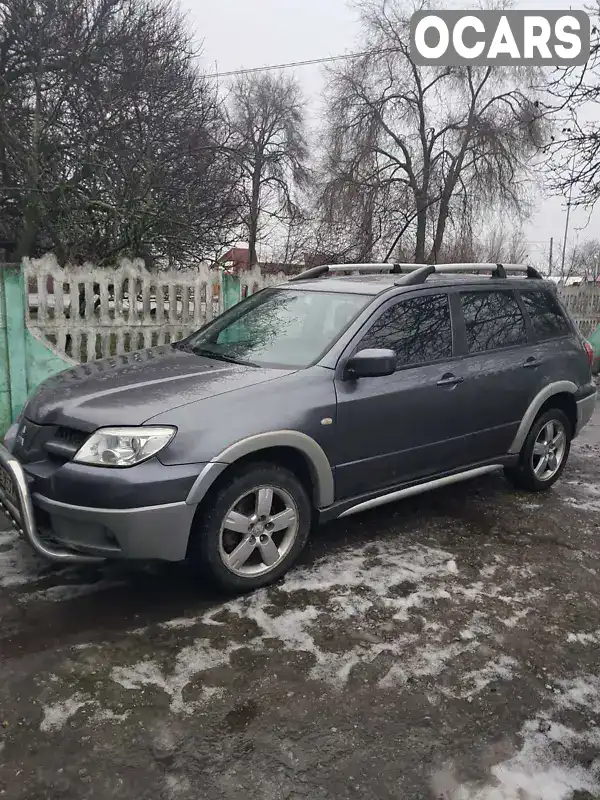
(124,447)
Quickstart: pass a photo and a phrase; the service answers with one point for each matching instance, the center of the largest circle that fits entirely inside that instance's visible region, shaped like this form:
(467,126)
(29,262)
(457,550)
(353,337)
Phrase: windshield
(281,327)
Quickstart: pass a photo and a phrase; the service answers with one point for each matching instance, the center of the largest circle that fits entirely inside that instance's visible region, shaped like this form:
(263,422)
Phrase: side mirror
(373,363)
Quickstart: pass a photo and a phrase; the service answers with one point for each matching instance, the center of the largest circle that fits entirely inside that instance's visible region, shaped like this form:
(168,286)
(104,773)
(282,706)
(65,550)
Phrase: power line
(288,65)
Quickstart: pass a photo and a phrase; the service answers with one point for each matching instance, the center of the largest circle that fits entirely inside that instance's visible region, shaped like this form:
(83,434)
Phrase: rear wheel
(544,453)
(253,529)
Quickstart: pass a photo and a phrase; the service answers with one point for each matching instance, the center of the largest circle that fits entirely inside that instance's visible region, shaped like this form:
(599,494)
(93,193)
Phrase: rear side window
(418,329)
(546,315)
(493,320)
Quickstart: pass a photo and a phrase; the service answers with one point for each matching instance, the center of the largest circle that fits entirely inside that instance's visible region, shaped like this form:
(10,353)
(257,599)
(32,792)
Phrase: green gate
(25,361)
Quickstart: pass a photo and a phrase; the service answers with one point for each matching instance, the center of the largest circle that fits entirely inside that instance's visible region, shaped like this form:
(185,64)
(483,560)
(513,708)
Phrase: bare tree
(269,145)
(495,244)
(110,141)
(426,145)
(574,104)
(584,261)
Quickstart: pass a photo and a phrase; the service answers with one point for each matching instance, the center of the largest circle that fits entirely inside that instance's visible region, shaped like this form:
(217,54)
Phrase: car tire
(252,529)
(543,456)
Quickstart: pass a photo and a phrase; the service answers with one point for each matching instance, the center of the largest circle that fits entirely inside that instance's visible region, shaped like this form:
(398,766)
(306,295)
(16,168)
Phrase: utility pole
(550,256)
(564,249)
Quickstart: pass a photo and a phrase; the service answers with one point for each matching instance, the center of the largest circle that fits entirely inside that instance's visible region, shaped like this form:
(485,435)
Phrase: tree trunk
(253,218)
(440,227)
(421,230)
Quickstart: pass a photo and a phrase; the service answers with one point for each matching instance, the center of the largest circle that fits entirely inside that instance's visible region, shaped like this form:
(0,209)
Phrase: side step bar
(420,488)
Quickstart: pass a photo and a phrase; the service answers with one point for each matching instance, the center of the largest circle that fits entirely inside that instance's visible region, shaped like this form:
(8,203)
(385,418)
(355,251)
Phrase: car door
(394,429)
(557,347)
(500,367)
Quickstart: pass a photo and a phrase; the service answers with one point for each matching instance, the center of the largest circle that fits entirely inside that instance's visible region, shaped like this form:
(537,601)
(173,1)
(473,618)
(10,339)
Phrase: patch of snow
(180,623)
(581,692)
(427,661)
(212,691)
(584,638)
(351,605)
(489,571)
(370,592)
(19,565)
(394,566)
(514,620)
(545,767)
(196,658)
(501,668)
(176,785)
(57,714)
(584,496)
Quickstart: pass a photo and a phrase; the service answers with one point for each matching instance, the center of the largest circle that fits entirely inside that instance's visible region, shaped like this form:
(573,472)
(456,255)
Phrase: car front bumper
(69,533)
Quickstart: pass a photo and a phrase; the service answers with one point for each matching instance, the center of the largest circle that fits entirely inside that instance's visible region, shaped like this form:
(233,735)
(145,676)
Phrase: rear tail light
(590,352)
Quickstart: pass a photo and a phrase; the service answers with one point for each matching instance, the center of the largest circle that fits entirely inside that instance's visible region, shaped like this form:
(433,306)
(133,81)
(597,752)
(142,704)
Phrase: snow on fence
(259,277)
(87,313)
(583,303)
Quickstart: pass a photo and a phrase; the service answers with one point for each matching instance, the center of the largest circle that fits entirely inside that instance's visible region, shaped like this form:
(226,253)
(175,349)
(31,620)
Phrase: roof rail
(415,276)
(420,272)
(495,270)
(325,269)
(313,272)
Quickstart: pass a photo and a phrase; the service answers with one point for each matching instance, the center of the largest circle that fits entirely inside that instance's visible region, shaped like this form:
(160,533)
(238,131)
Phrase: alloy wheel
(258,531)
(549,450)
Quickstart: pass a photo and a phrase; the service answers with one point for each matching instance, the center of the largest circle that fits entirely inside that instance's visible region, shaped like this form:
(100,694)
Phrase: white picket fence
(583,303)
(251,280)
(87,313)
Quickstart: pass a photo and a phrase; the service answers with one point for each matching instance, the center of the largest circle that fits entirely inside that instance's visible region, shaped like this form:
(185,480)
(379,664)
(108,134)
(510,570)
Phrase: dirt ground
(444,648)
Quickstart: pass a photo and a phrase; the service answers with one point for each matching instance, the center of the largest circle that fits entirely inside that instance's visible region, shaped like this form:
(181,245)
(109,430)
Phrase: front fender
(320,467)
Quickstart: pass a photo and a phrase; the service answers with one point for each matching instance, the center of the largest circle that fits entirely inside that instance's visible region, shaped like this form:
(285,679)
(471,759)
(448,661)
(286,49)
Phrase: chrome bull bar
(19,509)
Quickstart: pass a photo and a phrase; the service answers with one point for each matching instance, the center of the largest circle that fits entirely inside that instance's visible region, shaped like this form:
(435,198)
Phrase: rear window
(493,320)
(546,316)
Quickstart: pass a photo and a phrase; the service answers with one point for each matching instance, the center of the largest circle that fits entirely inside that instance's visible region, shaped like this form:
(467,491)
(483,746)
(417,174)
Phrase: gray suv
(317,399)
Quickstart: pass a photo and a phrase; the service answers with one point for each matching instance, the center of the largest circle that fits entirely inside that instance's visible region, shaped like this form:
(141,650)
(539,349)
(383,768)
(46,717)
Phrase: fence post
(14,326)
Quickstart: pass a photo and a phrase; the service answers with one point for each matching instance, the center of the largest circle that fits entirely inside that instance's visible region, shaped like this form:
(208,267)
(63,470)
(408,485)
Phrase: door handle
(449,380)
(531,363)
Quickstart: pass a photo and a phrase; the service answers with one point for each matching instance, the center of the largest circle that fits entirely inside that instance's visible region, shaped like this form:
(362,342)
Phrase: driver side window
(418,330)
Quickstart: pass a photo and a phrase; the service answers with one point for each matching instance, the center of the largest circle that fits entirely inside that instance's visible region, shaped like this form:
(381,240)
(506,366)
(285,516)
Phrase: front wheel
(544,453)
(253,529)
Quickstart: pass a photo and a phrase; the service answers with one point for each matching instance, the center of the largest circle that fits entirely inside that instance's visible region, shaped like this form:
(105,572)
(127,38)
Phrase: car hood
(131,389)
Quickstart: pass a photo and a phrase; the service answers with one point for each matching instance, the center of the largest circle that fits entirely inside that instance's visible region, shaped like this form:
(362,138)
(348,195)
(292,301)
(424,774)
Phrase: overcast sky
(238,34)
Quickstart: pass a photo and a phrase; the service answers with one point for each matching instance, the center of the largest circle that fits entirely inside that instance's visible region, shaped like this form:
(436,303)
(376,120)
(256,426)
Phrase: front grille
(41,442)
(64,444)
(70,436)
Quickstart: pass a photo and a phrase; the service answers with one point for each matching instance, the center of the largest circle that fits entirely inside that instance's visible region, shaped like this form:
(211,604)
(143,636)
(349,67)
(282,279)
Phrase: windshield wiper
(199,351)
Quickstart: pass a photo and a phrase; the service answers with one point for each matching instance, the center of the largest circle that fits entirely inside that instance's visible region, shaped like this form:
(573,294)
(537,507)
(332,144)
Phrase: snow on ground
(386,600)
(581,494)
(20,567)
(18,564)
(545,765)
(190,661)
(56,715)
(374,593)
